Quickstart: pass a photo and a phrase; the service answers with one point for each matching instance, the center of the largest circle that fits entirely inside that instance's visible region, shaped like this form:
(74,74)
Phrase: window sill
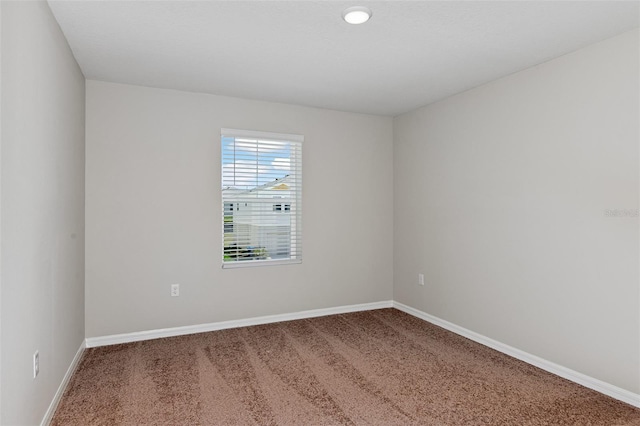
(256,263)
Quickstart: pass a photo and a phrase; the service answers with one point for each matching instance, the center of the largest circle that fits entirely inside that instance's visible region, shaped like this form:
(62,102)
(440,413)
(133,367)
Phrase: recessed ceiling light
(356,15)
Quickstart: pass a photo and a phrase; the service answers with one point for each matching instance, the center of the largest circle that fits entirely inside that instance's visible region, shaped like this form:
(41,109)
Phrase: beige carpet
(380,367)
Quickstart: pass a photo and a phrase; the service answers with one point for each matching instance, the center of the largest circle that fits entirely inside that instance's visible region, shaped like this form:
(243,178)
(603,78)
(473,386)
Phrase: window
(281,207)
(228,218)
(262,172)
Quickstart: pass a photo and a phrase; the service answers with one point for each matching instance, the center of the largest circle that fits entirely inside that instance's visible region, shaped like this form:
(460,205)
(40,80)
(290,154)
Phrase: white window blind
(261,198)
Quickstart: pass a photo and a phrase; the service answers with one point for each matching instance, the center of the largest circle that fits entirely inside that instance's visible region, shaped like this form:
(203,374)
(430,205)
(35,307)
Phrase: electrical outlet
(36,364)
(175,290)
(421,279)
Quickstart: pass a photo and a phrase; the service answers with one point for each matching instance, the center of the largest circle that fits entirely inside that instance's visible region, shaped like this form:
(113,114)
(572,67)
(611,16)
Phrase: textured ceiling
(409,54)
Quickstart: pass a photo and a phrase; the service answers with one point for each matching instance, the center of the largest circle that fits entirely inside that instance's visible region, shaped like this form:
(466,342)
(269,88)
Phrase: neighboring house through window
(261,198)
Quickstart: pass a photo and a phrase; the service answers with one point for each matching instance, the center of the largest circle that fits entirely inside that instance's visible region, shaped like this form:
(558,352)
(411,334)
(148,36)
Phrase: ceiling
(411,53)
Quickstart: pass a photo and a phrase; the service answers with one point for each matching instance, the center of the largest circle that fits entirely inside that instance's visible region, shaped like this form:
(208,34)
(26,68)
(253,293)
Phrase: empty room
(319,212)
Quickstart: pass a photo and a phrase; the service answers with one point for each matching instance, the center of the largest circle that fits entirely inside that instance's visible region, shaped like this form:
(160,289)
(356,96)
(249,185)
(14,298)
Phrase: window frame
(295,237)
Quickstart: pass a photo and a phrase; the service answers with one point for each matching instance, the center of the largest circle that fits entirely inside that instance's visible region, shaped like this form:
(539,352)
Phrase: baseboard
(574,376)
(65,380)
(114,339)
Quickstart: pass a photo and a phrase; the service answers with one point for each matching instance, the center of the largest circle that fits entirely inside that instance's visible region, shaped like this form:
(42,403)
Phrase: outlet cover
(36,364)
(175,290)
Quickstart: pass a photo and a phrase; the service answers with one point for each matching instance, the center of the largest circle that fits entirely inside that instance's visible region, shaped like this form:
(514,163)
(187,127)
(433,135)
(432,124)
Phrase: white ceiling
(409,54)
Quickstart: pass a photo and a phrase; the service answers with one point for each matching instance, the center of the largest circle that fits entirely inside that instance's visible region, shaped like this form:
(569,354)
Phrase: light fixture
(356,15)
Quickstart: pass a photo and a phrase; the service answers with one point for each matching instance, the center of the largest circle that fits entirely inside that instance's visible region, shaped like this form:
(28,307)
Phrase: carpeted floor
(380,367)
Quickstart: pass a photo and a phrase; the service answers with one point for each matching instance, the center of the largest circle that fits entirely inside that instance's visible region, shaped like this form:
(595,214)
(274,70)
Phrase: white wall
(500,198)
(153,210)
(42,214)
(0,210)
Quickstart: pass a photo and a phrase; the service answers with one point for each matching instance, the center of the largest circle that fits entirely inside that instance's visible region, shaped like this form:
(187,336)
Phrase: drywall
(153,212)
(518,201)
(0,210)
(42,209)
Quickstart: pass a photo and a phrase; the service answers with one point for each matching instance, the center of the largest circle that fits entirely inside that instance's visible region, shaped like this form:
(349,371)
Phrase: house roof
(278,185)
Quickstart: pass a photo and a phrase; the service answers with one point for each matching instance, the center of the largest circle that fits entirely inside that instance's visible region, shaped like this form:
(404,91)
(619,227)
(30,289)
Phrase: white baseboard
(574,376)
(65,380)
(114,339)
